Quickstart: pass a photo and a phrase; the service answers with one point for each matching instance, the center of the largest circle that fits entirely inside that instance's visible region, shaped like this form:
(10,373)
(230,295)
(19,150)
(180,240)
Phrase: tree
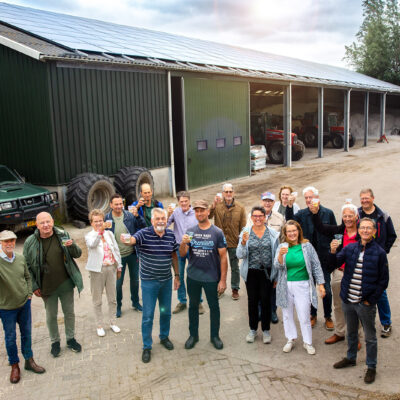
(376,51)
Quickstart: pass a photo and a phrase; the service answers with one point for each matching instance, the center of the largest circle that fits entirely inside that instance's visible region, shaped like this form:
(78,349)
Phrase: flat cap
(7,235)
(200,204)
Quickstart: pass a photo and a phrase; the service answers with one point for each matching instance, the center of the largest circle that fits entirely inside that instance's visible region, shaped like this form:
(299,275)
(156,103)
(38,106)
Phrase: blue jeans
(133,267)
(10,318)
(354,313)
(151,291)
(384,310)
(327,300)
(194,292)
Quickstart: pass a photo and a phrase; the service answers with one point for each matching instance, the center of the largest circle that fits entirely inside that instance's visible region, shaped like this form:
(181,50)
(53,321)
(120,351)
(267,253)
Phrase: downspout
(171,136)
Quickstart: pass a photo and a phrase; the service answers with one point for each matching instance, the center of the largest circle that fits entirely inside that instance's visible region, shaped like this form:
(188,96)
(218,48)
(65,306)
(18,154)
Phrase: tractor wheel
(337,141)
(86,192)
(128,180)
(310,138)
(275,152)
(298,150)
(352,141)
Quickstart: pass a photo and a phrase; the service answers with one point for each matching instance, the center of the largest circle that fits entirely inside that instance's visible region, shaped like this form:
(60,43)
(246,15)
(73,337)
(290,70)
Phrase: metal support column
(383,114)
(346,119)
(366,116)
(287,125)
(321,122)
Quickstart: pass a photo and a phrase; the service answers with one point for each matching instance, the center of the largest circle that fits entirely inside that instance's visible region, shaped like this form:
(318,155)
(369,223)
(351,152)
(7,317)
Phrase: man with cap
(230,216)
(15,305)
(207,269)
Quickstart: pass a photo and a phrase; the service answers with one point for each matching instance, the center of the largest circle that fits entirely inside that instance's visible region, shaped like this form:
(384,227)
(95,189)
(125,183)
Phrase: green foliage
(376,51)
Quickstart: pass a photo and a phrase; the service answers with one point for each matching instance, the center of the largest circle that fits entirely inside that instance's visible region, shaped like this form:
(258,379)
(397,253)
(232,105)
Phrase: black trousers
(194,293)
(259,290)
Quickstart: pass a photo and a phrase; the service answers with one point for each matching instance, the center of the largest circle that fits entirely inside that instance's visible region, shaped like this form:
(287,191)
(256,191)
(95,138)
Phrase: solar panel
(98,36)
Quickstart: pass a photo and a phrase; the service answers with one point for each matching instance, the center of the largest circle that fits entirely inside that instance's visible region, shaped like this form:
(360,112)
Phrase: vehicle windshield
(7,176)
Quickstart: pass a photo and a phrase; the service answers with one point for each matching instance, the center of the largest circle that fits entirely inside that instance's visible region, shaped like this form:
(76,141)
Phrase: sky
(313,30)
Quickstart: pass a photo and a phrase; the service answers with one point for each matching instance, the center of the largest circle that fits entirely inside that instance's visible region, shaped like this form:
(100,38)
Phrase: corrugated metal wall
(216,110)
(26,140)
(107,119)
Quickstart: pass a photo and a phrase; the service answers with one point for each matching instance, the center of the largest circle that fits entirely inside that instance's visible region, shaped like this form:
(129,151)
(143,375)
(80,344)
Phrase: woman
(103,262)
(280,206)
(257,246)
(348,230)
(297,264)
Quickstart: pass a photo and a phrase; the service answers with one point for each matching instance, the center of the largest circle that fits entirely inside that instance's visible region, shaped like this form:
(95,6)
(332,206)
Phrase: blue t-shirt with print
(204,261)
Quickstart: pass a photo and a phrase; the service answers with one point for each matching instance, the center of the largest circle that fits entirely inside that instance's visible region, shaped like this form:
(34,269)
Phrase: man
(385,237)
(207,269)
(157,251)
(50,253)
(125,222)
(15,305)
(320,242)
(230,216)
(146,203)
(183,217)
(275,220)
(365,278)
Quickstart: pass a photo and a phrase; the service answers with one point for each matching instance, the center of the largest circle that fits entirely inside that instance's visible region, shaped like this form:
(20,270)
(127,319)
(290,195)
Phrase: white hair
(351,207)
(157,210)
(310,189)
(227,186)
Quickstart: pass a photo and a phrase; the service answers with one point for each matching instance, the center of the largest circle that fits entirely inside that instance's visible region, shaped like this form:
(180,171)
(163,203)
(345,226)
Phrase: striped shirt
(354,293)
(155,253)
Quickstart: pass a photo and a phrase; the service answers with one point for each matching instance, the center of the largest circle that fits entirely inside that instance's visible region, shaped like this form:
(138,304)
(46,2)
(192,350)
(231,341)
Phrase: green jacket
(33,253)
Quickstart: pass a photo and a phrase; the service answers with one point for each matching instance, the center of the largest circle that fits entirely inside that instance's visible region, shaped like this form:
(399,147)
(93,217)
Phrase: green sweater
(15,283)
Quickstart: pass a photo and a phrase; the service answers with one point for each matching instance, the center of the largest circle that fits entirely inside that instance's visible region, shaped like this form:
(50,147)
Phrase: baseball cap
(200,204)
(268,195)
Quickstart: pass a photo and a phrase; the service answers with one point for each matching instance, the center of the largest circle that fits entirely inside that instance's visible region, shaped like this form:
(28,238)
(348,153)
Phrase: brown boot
(15,373)
(334,339)
(30,365)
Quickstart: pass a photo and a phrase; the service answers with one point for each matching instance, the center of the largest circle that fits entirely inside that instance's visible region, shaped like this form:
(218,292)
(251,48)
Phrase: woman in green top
(298,265)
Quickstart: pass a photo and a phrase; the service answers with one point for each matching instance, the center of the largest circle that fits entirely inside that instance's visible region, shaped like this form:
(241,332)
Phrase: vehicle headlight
(5,206)
(52,197)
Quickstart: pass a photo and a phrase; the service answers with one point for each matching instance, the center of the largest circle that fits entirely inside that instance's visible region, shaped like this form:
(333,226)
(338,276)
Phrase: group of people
(285,252)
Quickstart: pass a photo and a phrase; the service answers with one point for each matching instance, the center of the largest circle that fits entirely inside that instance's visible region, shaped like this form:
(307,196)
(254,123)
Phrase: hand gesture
(170,210)
(245,237)
(68,243)
(291,200)
(322,292)
(314,208)
(140,202)
(185,239)
(334,245)
(221,287)
(283,250)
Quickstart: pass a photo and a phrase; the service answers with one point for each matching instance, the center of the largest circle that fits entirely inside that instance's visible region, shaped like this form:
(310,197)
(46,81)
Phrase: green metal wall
(25,128)
(215,110)
(107,119)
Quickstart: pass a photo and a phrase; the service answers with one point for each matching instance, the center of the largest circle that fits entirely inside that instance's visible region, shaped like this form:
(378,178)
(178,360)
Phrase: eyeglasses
(258,216)
(228,191)
(366,228)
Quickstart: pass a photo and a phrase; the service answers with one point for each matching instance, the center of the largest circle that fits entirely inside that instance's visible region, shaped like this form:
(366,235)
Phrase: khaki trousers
(340,323)
(107,279)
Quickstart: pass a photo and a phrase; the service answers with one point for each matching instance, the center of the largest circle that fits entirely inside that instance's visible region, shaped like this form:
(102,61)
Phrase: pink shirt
(108,258)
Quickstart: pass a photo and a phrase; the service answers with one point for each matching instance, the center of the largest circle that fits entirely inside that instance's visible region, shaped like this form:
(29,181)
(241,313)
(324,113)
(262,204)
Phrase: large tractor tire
(128,180)
(275,152)
(338,141)
(298,150)
(310,138)
(352,141)
(86,192)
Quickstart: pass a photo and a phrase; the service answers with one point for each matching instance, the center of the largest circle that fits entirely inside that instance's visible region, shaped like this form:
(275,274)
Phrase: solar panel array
(104,37)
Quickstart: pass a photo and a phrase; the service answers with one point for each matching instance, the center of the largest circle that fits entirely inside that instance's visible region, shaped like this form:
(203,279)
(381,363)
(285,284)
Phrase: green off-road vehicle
(20,202)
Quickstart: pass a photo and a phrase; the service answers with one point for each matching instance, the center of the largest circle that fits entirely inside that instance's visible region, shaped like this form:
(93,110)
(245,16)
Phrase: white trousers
(299,297)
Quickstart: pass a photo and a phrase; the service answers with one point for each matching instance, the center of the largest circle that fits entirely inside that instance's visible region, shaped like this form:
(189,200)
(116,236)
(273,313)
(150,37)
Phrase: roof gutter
(21,48)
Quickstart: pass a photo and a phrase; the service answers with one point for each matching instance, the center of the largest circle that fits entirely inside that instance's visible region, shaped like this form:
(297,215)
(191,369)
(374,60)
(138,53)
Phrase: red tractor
(263,131)
(308,131)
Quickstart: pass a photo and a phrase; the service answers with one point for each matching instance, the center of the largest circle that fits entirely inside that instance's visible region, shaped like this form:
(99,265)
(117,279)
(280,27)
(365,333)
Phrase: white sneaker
(309,348)
(287,348)
(266,337)
(100,332)
(251,336)
(115,328)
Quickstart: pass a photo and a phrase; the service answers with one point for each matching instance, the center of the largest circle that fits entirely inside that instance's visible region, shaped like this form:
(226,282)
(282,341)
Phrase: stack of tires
(88,191)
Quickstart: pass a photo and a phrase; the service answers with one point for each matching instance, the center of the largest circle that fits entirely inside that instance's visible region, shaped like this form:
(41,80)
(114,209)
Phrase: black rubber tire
(128,180)
(298,150)
(338,141)
(275,152)
(310,138)
(352,141)
(86,192)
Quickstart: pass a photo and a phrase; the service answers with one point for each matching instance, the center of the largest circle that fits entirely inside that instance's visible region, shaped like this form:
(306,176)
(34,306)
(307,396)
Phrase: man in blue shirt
(207,269)
(183,217)
(157,248)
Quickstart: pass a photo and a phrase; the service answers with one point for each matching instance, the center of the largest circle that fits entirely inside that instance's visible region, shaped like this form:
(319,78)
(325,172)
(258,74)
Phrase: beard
(160,228)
